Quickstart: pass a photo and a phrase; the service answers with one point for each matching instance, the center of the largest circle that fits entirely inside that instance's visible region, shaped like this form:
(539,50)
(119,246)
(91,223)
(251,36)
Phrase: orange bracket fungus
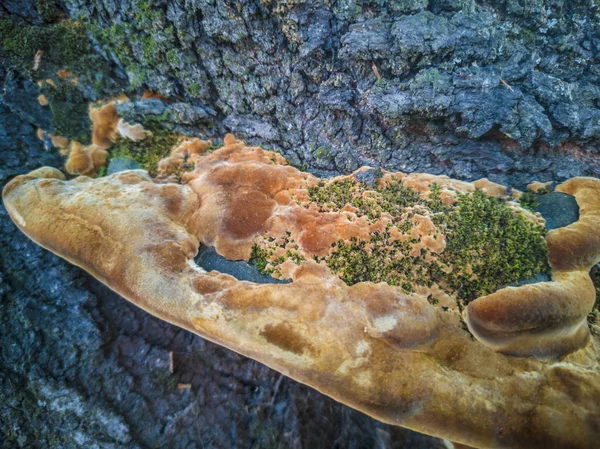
(396,294)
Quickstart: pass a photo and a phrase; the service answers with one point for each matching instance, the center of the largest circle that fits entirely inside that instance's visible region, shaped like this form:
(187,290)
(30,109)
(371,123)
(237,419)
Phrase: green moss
(433,301)
(384,261)
(118,38)
(47,10)
(137,75)
(487,245)
(142,44)
(166,116)
(322,153)
(295,257)
(103,171)
(150,46)
(65,46)
(70,117)
(435,198)
(529,201)
(260,259)
(146,16)
(147,152)
(499,246)
(370,201)
(172,56)
(194,89)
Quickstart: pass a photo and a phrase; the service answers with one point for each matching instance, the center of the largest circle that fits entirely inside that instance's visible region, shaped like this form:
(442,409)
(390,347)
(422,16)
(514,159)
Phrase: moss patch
(370,201)
(70,117)
(65,46)
(142,43)
(488,245)
(147,152)
(529,201)
(47,10)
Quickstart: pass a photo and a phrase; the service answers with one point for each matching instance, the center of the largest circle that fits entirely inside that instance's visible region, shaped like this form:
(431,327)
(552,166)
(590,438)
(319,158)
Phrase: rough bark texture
(507,89)
(465,88)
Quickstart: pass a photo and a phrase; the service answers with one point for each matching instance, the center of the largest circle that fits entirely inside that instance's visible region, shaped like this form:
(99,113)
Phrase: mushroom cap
(391,355)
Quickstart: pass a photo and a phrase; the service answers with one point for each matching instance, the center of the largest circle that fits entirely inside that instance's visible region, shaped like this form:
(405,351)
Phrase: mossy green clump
(70,115)
(322,153)
(384,261)
(65,46)
(488,245)
(260,258)
(195,89)
(117,38)
(47,10)
(102,171)
(529,201)
(62,46)
(147,152)
(264,258)
(370,201)
(142,44)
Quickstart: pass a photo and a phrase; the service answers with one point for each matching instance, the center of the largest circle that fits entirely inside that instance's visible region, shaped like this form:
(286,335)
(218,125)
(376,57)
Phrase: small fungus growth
(85,161)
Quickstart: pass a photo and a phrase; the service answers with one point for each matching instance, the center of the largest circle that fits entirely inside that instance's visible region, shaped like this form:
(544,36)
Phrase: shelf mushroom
(515,368)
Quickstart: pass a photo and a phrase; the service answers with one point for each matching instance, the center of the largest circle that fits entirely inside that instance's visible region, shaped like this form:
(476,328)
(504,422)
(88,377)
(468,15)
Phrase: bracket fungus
(86,161)
(384,310)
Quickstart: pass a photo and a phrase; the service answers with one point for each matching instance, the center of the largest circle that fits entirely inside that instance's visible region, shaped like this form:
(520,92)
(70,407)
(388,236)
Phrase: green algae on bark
(529,201)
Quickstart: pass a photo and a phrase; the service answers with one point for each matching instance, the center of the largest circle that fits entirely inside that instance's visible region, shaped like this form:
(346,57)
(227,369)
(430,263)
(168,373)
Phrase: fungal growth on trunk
(430,303)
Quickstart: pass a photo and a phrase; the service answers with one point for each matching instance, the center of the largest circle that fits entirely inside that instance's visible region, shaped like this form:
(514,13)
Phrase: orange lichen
(492,188)
(193,146)
(66,75)
(436,244)
(49,81)
(182,155)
